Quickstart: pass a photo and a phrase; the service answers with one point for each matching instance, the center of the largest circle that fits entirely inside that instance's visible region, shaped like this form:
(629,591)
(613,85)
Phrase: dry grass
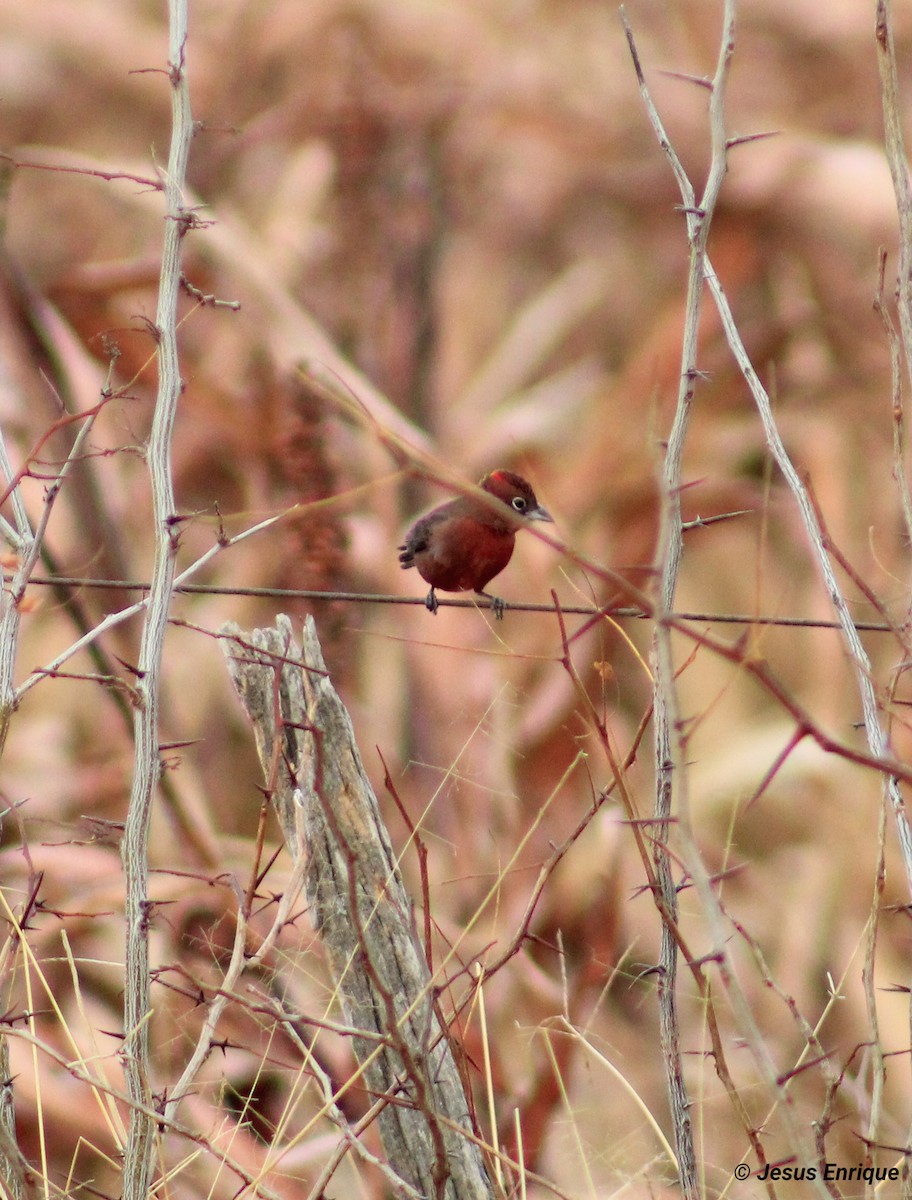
(461,208)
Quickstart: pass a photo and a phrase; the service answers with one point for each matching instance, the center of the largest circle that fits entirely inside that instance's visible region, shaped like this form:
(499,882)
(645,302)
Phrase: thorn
(741,139)
(699,522)
(702,81)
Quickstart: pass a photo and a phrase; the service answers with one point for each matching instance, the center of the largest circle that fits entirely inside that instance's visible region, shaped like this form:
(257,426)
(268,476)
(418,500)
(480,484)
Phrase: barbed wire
(593,610)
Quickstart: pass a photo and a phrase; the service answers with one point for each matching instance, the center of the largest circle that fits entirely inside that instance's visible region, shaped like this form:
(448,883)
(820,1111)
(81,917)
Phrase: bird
(463,544)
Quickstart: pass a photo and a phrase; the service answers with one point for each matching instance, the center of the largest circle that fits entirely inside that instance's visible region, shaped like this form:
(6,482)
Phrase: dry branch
(147,756)
(671,778)
(671,760)
(329,814)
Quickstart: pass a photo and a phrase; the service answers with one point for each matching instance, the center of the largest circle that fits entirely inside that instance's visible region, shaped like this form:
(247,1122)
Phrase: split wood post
(359,906)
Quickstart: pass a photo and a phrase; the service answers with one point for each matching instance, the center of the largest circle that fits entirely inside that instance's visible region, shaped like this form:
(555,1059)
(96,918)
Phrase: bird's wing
(418,538)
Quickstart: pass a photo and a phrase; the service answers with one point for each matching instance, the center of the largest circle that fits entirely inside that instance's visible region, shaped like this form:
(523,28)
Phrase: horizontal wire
(276,593)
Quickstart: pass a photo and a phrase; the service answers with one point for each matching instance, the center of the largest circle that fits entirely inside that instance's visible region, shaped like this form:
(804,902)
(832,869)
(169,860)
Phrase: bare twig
(77,169)
(669,750)
(671,758)
(20,535)
(899,417)
(280,593)
(30,543)
(878,1063)
(132,610)
(894,143)
(147,764)
(874,731)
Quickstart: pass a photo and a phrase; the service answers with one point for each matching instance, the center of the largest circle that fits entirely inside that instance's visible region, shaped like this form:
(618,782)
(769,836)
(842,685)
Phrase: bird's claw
(430,602)
(498,606)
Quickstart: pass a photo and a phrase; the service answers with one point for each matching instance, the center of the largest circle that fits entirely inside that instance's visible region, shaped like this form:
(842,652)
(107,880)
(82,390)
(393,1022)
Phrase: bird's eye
(519,503)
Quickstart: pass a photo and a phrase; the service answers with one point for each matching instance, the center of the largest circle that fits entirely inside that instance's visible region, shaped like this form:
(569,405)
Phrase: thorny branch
(28,543)
(670,756)
(147,763)
(672,767)
(597,612)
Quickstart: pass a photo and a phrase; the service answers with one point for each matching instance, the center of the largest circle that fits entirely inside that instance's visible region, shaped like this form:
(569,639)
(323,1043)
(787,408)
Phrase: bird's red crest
(505,481)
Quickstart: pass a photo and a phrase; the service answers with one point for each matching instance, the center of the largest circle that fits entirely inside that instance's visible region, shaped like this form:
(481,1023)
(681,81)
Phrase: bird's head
(516,493)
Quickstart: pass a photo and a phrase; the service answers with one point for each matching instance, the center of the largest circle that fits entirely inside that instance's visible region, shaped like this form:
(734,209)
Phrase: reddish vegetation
(463,202)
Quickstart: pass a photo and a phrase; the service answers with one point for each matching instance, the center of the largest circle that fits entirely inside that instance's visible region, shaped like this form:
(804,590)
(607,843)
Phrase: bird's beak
(539,514)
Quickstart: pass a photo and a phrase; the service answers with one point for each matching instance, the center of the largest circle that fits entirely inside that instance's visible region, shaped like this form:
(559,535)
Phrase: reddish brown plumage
(462,545)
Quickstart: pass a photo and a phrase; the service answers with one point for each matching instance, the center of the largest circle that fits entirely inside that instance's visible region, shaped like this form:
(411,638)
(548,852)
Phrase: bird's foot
(498,606)
(430,602)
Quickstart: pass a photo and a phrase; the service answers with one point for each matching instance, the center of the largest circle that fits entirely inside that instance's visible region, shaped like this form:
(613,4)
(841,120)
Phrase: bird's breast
(464,555)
